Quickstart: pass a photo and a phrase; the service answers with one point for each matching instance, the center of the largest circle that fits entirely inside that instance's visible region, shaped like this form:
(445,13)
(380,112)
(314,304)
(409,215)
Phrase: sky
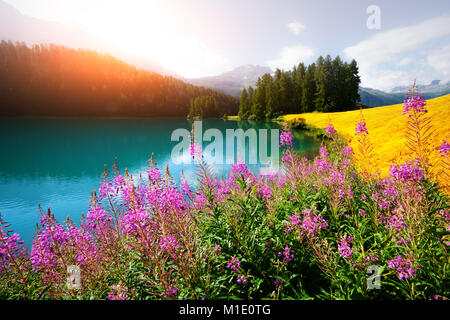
(393,41)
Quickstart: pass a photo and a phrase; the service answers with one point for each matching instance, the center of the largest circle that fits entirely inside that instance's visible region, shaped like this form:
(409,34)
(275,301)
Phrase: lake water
(57,163)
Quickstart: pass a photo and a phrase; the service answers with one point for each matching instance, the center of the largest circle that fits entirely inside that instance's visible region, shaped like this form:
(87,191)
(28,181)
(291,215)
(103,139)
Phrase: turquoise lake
(57,163)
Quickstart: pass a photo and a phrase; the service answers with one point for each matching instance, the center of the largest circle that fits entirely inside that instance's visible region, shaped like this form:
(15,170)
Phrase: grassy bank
(387,128)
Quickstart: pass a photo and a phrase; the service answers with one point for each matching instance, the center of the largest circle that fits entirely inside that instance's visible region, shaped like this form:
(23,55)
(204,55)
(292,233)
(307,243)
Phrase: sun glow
(151,30)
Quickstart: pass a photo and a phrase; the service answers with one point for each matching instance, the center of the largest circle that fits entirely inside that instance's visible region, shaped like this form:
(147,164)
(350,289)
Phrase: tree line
(204,107)
(328,85)
(51,80)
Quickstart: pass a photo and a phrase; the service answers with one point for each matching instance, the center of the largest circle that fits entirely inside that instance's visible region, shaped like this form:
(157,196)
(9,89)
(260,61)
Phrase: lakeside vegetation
(387,126)
(328,85)
(51,80)
(312,231)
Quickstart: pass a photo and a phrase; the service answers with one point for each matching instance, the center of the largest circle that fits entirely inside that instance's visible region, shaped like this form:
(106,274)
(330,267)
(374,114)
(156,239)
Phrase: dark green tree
(244,105)
(309,89)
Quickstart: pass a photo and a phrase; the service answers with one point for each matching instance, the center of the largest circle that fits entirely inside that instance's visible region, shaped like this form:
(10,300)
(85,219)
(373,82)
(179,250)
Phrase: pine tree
(272,95)
(299,77)
(309,89)
(244,105)
(321,88)
(286,93)
(352,81)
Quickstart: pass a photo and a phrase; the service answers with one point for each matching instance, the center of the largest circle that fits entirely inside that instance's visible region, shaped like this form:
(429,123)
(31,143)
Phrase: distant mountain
(377,98)
(433,86)
(17,27)
(232,82)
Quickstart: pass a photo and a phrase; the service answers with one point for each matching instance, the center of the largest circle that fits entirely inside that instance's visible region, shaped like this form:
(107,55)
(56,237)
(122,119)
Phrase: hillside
(376,98)
(234,81)
(386,126)
(50,80)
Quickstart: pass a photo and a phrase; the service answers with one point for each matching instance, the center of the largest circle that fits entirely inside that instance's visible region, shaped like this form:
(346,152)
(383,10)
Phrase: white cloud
(405,61)
(296,27)
(290,56)
(380,55)
(440,61)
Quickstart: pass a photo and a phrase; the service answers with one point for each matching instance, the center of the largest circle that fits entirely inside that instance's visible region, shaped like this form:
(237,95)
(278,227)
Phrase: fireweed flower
(264,191)
(11,248)
(362,212)
(347,151)
(404,266)
(241,280)
(185,189)
(234,264)
(336,177)
(341,193)
(361,129)
(286,158)
(278,282)
(321,165)
(240,169)
(344,248)
(350,193)
(444,149)
(135,222)
(54,242)
(323,152)
(370,258)
(310,224)
(286,139)
(416,104)
(154,175)
(330,131)
(170,292)
(286,254)
(169,244)
(407,172)
(119,293)
(395,222)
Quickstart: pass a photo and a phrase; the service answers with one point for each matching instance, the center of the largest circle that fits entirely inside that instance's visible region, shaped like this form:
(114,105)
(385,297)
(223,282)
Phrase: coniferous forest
(51,80)
(328,85)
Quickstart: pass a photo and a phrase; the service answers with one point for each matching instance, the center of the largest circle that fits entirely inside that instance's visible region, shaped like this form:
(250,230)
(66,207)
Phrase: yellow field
(386,126)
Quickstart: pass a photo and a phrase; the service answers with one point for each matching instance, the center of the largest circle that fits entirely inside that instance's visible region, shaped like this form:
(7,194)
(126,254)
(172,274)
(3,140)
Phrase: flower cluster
(330,131)
(404,266)
(344,248)
(309,223)
(408,171)
(361,128)
(234,264)
(286,139)
(119,293)
(416,104)
(159,240)
(241,280)
(286,254)
(11,248)
(170,292)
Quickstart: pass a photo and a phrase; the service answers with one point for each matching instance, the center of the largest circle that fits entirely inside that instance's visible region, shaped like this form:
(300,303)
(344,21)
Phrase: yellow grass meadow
(386,126)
